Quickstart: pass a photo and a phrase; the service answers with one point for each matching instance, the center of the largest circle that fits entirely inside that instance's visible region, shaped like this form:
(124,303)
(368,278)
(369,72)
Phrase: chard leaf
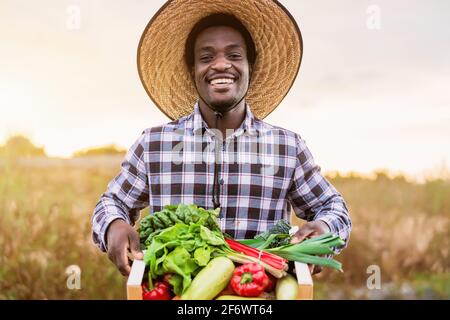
(211,237)
(189,245)
(202,256)
(173,233)
(176,281)
(179,261)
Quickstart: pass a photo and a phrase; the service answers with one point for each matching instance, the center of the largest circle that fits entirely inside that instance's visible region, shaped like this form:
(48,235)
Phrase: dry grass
(403,228)
(45,227)
(45,213)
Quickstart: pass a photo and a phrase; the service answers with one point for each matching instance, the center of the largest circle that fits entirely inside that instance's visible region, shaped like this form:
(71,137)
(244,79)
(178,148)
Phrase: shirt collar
(248,126)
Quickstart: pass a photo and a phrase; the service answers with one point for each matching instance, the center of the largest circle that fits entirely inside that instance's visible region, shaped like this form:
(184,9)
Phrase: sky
(373,91)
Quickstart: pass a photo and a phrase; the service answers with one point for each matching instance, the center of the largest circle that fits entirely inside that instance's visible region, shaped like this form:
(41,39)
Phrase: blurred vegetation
(20,146)
(99,151)
(400,226)
(45,226)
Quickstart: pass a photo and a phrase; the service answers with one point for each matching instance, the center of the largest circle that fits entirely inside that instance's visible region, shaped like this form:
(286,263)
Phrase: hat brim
(166,78)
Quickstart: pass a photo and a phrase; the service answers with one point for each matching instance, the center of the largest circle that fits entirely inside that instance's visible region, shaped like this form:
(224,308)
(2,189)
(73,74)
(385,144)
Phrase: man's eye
(205,58)
(235,56)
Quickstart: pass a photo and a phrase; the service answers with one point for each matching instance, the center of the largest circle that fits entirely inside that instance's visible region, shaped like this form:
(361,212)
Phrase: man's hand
(121,239)
(310,230)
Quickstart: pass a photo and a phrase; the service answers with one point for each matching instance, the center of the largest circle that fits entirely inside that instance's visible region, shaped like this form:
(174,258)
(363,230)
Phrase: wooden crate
(134,289)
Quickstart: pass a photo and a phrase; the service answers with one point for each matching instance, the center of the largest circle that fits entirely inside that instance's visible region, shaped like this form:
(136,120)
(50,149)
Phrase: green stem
(240,258)
(246,278)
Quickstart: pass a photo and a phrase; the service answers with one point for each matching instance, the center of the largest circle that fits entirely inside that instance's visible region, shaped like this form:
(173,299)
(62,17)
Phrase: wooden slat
(134,290)
(305,282)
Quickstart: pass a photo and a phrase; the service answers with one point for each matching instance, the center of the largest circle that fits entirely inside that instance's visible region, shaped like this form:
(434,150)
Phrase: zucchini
(231,297)
(211,280)
(287,288)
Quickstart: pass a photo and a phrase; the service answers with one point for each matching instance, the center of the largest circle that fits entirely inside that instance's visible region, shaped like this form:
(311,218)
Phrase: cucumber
(211,280)
(231,297)
(287,288)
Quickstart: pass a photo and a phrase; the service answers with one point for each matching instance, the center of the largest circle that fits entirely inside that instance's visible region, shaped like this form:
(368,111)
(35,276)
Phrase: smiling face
(221,69)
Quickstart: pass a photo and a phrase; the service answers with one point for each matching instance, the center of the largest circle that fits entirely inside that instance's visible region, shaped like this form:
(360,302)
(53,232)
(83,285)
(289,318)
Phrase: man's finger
(301,234)
(122,260)
(124,268)
(317,269)
(117,258)
(135,246)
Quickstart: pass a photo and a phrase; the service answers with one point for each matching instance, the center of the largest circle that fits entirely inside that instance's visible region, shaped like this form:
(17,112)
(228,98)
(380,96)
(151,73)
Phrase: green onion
(307,251)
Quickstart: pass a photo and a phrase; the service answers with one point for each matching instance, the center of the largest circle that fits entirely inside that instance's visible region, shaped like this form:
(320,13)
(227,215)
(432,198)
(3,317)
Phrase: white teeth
(222,80)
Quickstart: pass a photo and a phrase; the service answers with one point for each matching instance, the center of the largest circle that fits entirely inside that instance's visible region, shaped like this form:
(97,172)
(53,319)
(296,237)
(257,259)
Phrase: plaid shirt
(264,170)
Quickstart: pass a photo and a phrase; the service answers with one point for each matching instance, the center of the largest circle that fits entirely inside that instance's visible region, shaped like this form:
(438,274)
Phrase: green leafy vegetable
(202,255)
(276,236)
(181,248)
(172,214)
(309,251)
(179,261)
(211,237)
(176,281)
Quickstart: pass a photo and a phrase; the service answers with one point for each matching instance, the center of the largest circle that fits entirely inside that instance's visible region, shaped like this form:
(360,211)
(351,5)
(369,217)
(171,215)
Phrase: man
(218,155)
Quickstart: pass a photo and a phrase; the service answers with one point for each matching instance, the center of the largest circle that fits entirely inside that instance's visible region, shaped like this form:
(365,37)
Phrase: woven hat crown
(165,75)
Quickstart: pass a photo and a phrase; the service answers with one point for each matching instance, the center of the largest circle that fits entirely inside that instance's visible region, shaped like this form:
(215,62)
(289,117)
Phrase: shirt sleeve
(126,195)
(314,198)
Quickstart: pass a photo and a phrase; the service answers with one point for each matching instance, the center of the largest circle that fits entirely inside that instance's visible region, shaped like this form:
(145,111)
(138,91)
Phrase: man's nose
(221,64)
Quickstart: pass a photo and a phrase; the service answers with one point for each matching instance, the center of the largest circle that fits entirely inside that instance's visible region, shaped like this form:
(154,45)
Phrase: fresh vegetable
(277,240)
(286,288)
(233,297)
(308,251)
(211,280)
(160,291)
(242,258)
(182,250)
(152,224)
(249,280)
(276,236)
(182,241)
(270,259)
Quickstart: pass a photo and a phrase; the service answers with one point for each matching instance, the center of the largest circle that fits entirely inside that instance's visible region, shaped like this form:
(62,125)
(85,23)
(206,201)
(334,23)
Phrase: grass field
(46,207)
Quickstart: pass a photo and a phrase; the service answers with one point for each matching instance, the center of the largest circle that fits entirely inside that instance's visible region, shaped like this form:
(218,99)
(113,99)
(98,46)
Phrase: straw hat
(162,67)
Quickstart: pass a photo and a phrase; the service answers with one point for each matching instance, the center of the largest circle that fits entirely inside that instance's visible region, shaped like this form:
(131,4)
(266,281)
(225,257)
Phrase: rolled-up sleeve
(126,195)
(313,197)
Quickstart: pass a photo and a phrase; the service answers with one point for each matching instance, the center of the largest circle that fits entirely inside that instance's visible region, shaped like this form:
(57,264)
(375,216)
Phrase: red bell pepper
(249,280)
(161,291)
